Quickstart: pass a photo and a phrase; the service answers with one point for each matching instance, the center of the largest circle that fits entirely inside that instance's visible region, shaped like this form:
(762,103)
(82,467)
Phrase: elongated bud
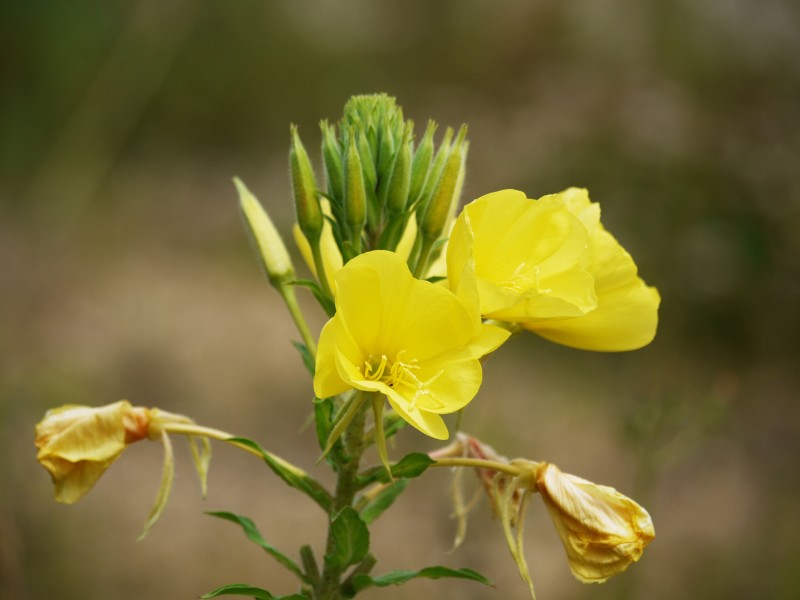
(385,161)
(400,180)
(355,195)
(367,161)
(332,160)
(435,172)
(439,207)
(421,163)
(274,257)
(304,188)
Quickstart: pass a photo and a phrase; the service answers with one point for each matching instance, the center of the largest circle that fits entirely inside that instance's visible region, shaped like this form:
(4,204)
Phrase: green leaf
(292,475)
(308,359)
(383,500)
(327,303)
(242,589)
(410,466)
(323,419)
(351,539)
(361,582)
(252,533)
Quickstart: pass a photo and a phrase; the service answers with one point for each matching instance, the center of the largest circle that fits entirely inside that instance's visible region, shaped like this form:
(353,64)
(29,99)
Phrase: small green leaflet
(375,507)
(242,589)
(362,581)
(252,533)
(352,539)
(308,360)
(410,466)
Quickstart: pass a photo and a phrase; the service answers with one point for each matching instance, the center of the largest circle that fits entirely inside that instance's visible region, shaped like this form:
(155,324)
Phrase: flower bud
(78,443)
(355,194)
(446,191)
(421,163)
(304,189)
(602,531)
(332,160)
(274,256)
(400,179)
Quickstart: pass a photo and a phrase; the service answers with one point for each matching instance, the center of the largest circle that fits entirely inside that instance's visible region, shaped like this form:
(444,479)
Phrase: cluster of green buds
(379,184)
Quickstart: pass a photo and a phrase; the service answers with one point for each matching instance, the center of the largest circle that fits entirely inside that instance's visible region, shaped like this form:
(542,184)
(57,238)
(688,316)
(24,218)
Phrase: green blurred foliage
(125,271)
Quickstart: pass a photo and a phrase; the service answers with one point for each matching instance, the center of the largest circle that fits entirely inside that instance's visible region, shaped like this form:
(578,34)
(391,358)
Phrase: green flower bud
(434,173)
(304,189)
(386,151)
(332,161)
(355,195)
(400,179)
(439,207)
(271,249)
(422,163)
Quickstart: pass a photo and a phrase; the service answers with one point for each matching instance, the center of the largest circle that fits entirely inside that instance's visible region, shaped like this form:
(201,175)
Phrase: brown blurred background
(126,273)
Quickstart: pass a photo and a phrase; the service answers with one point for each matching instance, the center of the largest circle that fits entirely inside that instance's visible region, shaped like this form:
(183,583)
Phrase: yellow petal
(529,257)
(626,317)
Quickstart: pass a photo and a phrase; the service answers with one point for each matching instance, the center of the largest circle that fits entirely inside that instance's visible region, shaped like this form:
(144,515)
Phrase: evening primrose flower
(550,266)
(415,342)
(602,531)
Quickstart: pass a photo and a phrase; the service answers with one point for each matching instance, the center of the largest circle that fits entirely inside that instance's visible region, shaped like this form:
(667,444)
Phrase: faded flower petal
(78,443)
(602,531)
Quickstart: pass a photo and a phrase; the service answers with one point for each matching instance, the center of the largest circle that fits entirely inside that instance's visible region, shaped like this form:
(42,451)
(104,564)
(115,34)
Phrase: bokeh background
(125,272)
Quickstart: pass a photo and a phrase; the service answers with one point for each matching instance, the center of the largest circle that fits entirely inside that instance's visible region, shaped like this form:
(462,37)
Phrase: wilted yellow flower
(602,531)
(415,342)
(549,265)
(78,443)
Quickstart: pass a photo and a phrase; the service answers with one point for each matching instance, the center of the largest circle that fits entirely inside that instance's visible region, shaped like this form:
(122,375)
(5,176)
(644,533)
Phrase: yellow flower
(602,531)
(415,342)
(550,266)
(78,443)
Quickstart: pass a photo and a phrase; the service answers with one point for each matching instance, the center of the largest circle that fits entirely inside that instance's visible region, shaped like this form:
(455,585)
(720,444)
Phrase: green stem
(346,488)
(319,265)
(290,299)
(479,463)
(424,257)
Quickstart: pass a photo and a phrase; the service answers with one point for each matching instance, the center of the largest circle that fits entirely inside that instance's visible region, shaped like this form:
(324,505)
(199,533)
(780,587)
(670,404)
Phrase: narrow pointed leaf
(361,582)
(254,535)
(410,466)
(308,359)
(383,500)
(292,475)
(242,589)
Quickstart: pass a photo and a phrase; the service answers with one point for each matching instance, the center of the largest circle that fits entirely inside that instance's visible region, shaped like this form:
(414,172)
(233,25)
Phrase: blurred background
(125,272)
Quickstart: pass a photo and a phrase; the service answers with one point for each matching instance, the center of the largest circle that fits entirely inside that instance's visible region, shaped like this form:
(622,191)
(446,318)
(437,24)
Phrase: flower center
(400,375)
